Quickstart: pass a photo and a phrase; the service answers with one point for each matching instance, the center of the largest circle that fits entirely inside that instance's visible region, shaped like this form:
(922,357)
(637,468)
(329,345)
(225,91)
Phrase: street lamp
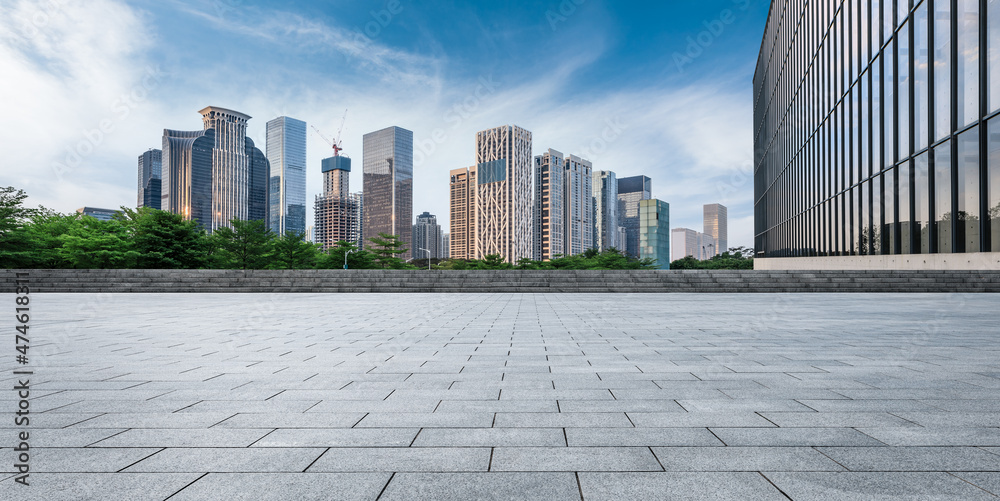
(348,253)
(428,258)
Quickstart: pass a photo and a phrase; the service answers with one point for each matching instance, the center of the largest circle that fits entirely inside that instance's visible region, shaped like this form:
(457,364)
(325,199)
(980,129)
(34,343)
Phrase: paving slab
(483,486)
(851,486)
(286,487)
(679,486)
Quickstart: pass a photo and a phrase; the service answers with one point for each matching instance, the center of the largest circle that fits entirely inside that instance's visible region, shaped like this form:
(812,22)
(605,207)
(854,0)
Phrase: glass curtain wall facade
(150,166)
(388,185)
(876,129)
(654,232)
(503,193)
(632,190)
(286,152)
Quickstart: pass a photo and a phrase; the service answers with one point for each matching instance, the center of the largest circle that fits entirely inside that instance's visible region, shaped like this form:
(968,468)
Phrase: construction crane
(335,143)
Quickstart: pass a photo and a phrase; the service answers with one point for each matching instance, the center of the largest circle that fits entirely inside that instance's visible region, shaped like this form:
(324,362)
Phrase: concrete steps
(571,281)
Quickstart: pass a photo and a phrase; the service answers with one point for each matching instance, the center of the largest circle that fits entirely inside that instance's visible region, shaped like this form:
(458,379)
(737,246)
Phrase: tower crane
(335,143)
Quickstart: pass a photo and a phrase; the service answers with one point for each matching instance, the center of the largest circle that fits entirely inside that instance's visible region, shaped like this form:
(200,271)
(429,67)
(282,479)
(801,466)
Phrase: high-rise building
(578,206)
(239,169)
(654,232)
(462,211)
(717,226)
(632,190)
(388,185)
(214,175)
(686,242)
(150,166)
(877,135)
(550,210)
(286,153)
(426,235)
(444,250)
(605,187)
(186,187)
(336,211)
(503,193)
(357,234)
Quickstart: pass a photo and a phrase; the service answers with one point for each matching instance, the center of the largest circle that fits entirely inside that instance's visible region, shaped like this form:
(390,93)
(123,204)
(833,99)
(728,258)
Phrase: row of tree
(737,258)
(152,239)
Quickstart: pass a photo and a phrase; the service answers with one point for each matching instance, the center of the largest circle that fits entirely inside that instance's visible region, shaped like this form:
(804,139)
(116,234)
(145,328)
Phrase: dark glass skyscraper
(150,165)
(388,185)
(286,154)
(632,190)
(876,128)
(214,175)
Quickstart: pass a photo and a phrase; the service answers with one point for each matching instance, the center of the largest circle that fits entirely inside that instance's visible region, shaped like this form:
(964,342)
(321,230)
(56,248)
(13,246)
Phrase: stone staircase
(598,281)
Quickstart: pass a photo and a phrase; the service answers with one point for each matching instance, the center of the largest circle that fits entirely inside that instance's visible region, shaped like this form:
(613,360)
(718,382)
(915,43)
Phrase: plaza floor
(508,396)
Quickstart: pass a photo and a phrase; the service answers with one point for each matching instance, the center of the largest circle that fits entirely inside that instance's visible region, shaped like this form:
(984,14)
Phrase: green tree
(356,259)
(292,252)
(37,243)
(92,243)
(164,240)
(386,248)
(13,213)
(245,246)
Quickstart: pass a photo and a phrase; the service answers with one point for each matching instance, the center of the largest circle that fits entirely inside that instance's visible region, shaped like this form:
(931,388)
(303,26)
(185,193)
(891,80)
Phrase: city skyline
(621,116)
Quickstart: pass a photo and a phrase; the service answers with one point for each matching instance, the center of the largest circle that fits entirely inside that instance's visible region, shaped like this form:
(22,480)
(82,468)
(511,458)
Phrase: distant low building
(94,212)
(686,242)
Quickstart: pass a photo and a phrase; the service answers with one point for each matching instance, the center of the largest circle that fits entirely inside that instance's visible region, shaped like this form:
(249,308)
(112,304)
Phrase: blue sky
(662,90)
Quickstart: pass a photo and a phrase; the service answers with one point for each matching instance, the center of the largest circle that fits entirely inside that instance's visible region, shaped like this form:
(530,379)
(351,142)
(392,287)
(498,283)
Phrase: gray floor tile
(353,437)
(744,459)
(490,437)
(483,486)
(876,486)
(808,437)
(988,481)
(99,486)
(416,459)
(291,487)
(222,460)
(574,459)
(155,437)
(913,458)
(641,437)
(677,486)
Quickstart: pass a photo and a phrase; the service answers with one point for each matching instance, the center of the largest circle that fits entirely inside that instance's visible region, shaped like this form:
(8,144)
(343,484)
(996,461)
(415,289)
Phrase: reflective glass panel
(942,69)
(993,170)
(903,90)
(921,98)
(967,229)
(921,204)
(943,222)
(993,46)
(968,62)
(905,216)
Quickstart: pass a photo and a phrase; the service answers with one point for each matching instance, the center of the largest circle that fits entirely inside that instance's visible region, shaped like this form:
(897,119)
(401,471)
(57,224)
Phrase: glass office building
(286,153)
(150,166)
(631,191)
(654,232)
(876,128)
(388,185)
